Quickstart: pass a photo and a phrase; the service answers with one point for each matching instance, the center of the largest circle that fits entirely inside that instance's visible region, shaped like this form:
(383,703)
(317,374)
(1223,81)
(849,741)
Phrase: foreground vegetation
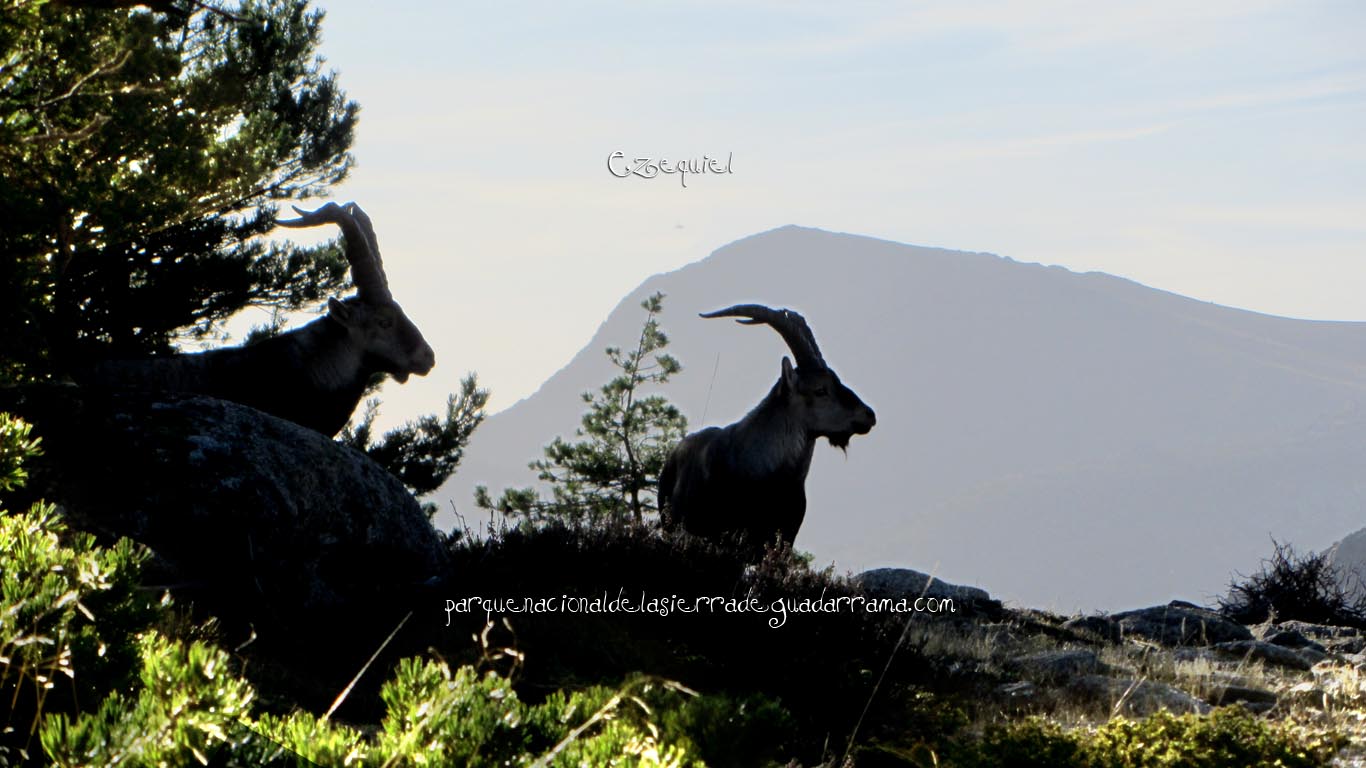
(95,670)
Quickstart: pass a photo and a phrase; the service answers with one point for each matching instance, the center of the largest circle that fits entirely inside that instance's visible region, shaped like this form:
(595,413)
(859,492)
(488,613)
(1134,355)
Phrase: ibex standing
(749,478)
(315,375)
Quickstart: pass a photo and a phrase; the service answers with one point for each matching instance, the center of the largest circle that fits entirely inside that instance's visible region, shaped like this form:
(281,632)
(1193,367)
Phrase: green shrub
(1030,743)
(439,717)
(450,718)
(16,447)
(1230,736)
(68,609)
(65,608)
(190,708)
(740,731)
(189,705)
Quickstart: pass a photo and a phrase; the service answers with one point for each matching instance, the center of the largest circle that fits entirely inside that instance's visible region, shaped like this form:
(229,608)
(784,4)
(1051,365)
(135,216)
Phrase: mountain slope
(1068,441)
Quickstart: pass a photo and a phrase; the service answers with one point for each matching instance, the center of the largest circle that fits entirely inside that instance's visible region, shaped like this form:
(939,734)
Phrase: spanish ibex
(315,375)
(748,479)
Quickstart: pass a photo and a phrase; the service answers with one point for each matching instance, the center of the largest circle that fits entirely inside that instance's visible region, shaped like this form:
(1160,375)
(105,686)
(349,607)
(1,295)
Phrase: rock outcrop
(1174,624)
(1057,665)
(1258,650)
(1135,697)
(897,583)
(1348,558)
(232,501)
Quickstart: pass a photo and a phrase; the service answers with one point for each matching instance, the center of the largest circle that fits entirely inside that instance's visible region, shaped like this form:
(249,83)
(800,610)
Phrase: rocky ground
(1082,670)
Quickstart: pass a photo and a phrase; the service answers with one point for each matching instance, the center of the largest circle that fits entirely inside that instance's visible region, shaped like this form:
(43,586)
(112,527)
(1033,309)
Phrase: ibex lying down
(315,375)
(749,478)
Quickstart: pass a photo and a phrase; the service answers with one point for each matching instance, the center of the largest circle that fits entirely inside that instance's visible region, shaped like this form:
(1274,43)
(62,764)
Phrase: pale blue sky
(1213,149)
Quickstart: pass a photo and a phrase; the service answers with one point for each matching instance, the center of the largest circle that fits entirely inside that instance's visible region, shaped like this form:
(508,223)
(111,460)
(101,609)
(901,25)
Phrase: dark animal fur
(313,376)
(748,480)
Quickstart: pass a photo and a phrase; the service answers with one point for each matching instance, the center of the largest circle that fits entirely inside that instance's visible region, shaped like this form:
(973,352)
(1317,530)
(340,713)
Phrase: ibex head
(375,322)
(813,392)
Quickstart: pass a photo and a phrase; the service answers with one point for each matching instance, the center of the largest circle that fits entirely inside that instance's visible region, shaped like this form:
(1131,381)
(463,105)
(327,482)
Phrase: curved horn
(789,324)
(362,250)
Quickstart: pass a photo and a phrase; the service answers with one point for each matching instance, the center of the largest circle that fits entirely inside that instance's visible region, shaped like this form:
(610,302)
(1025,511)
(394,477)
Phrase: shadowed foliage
(142,154)
(1293,586)
(423,452)
(822,668)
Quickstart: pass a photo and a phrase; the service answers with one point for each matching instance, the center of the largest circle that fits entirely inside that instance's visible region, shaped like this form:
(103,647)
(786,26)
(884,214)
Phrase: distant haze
(1065,441)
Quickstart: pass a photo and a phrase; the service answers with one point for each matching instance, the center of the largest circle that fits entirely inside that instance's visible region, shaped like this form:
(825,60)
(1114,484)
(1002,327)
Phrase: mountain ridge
(1005,389)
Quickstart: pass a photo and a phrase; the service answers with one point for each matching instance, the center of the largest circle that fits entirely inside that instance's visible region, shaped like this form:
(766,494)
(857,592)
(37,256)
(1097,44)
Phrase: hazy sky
(1213,149)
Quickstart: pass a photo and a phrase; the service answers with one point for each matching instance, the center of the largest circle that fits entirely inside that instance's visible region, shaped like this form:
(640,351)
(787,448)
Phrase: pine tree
(144,147)
(143,154)
(424,452)
(612,473)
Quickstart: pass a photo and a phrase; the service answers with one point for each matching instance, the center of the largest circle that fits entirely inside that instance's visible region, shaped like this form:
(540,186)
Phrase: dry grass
(1325,703)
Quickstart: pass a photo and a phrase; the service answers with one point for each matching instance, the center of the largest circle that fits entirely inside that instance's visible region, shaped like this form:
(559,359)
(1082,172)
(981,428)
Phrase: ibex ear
(339,312)
(789,376)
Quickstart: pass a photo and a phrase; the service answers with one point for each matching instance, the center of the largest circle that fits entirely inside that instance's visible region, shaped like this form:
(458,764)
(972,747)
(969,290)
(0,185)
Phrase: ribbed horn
(362,250)
(789,324)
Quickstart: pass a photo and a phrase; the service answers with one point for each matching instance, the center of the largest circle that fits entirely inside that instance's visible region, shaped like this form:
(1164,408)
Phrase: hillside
(1068,441)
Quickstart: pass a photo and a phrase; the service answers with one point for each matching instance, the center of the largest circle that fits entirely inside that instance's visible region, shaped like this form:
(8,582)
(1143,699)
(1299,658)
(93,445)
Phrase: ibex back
(315,375)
